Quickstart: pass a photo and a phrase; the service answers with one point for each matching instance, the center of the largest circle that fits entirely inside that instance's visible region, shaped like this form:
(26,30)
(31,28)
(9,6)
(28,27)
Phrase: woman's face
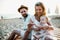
(38,10)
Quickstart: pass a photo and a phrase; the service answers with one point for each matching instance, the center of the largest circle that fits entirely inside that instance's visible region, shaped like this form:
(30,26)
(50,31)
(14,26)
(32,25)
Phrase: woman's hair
(21,7)
(40,4)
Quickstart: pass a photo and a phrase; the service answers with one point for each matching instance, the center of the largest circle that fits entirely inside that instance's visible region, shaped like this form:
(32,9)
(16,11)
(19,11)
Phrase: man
(25,29)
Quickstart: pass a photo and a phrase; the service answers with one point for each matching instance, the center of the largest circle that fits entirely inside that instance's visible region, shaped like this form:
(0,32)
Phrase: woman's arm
(47,28)
(50,26)
(49,23)
(44,28)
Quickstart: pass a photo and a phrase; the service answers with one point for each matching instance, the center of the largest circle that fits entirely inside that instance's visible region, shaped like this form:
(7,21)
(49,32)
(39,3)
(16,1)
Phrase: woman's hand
(50,28)
(45,28)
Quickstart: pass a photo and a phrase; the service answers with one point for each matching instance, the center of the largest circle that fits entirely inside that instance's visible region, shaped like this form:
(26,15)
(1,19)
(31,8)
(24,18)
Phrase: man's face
(38,10)
(23,12)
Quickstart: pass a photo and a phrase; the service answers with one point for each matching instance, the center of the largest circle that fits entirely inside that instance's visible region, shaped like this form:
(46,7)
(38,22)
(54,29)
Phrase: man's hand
(30,26)
(28,31)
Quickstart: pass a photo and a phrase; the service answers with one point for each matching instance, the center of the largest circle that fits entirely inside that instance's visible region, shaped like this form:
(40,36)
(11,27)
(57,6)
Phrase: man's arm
(28,32)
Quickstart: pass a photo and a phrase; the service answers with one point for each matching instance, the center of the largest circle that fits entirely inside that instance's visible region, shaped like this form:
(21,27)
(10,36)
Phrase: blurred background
(8,8)
(9,16)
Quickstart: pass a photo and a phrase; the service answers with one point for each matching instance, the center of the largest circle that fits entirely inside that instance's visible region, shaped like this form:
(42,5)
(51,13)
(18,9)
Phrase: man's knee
(16,32)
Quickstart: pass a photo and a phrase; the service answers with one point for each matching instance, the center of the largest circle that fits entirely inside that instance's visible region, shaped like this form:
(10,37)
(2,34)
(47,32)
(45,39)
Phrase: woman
(40,11)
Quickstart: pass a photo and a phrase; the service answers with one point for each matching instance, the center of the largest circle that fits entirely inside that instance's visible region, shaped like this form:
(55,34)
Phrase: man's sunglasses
(23,11)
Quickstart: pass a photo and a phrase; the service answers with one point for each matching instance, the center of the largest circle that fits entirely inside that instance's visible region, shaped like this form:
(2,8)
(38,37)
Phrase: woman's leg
(15,32)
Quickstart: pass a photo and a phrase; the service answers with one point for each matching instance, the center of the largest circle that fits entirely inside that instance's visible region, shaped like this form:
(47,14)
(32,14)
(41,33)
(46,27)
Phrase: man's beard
(25,15)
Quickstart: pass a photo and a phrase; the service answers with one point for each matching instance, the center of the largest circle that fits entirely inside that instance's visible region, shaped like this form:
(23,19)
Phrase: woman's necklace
(37,18)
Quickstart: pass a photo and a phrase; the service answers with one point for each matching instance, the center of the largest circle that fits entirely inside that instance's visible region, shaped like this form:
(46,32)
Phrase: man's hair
(21,7)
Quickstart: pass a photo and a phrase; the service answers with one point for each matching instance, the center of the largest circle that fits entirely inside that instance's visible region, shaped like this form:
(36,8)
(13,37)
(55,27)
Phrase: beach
(8,25)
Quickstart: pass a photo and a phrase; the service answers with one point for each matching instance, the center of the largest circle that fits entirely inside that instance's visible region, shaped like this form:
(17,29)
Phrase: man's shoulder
(30,16)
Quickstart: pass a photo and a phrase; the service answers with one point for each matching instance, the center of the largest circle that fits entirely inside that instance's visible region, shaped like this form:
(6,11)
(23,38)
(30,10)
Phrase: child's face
(43,20)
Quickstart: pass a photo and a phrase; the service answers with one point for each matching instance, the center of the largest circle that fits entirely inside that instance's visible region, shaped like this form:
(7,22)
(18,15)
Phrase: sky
(8,8)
